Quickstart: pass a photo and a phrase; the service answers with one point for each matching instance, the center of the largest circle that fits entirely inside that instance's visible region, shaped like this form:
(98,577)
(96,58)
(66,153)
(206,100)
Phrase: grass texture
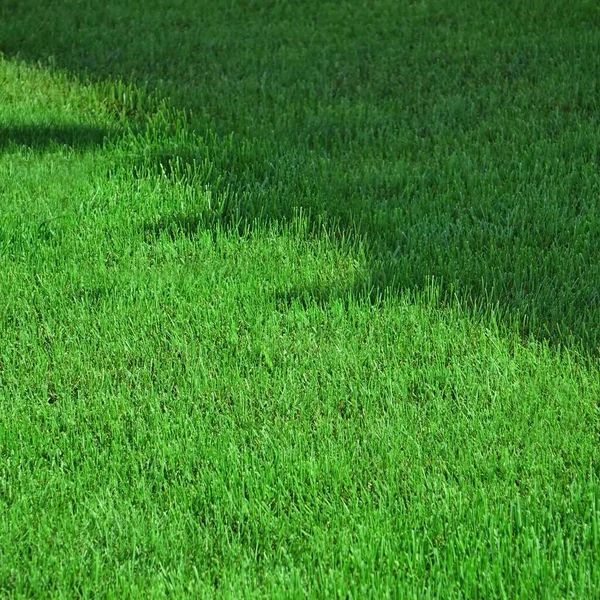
(299,299)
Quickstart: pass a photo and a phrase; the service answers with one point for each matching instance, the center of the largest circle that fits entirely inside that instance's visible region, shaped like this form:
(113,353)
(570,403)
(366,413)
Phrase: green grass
(299,299)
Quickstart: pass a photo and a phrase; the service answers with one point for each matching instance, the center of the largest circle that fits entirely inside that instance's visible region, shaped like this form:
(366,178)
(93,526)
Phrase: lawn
(299,299)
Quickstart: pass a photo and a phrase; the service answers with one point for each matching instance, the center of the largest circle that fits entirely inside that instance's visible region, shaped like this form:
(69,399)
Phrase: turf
(299,299)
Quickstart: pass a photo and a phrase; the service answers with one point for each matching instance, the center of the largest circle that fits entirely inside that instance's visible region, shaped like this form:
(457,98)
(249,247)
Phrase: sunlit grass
(317,331)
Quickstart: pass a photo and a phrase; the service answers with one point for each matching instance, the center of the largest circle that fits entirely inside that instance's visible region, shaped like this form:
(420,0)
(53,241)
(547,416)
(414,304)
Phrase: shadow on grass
(452,144)
(43,137)
(534,268)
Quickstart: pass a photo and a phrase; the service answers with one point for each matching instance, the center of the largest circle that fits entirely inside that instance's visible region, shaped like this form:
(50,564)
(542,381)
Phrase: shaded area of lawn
(41,137)
(458,140)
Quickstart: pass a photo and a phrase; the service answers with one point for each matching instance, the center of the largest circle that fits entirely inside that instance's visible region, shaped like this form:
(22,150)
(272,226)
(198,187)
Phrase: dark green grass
(459,140)
(296,299)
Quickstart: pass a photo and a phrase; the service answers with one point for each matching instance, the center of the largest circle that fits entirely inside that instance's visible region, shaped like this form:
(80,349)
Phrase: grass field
(299,299)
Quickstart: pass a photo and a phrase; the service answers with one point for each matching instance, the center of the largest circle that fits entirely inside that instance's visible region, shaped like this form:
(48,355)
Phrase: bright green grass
(349,350)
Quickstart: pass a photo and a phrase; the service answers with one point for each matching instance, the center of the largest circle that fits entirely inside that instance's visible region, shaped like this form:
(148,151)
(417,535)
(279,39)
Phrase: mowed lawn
(299,299)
